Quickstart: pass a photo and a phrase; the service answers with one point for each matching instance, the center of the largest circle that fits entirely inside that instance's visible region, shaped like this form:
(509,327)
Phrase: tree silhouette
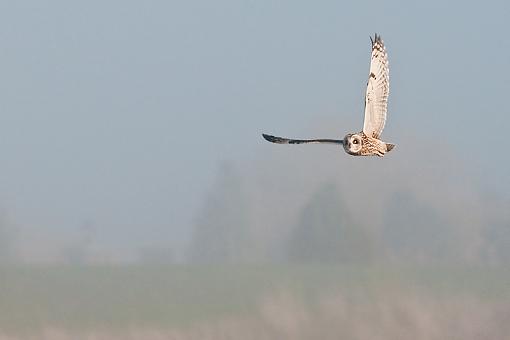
(6,240)
(497,237)
(326,233)
(413,230)
(222,226)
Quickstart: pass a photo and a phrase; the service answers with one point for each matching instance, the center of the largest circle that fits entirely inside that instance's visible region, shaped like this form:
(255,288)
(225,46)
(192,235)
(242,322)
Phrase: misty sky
(116,114)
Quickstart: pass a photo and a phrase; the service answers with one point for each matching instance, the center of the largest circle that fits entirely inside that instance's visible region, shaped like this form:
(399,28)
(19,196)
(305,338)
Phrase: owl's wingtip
(389,147)
(376,39)
(267,137)
(273,139)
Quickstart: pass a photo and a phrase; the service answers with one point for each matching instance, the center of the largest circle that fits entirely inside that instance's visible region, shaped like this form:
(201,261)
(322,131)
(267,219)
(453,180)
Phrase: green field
(113,298)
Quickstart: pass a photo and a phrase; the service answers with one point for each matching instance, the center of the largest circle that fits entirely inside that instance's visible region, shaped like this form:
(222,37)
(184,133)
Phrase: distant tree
(75,254)
(222,228)
(325,232)
(6,240)
(413,230)
(497,239)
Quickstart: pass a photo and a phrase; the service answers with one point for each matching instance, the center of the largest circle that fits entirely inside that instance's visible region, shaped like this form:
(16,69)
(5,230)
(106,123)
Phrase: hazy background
(130,135)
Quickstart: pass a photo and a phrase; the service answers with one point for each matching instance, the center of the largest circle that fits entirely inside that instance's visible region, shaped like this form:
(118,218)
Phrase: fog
(138,198)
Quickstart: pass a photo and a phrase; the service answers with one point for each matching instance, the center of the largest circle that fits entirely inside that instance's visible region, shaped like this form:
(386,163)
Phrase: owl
(365,142)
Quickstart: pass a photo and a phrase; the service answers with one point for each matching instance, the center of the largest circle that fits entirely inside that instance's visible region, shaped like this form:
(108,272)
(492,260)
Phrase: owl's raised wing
(378,88)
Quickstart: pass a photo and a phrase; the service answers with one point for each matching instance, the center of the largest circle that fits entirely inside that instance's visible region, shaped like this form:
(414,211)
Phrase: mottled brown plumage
(359,144)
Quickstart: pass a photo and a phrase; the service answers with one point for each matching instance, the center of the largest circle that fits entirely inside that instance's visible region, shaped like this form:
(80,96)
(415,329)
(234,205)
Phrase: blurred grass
(114,297)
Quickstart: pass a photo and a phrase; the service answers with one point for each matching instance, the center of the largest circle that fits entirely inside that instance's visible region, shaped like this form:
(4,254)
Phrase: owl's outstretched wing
(378,88)
(282,140)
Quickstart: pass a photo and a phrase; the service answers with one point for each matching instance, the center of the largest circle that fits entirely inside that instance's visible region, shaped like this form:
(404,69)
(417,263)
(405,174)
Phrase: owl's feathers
(365,142)
(378,88)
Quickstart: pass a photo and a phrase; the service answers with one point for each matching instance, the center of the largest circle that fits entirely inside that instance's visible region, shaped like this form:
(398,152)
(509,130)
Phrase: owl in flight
(366,142)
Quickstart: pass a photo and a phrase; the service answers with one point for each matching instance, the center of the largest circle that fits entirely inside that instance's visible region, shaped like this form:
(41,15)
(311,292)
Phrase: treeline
(325,230)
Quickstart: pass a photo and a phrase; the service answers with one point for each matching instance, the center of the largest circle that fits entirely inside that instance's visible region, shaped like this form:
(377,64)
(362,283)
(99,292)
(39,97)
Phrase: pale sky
(117,113)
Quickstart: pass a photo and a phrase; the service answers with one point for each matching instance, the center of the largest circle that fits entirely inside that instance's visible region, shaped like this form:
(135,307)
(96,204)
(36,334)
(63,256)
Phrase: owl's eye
(355,141)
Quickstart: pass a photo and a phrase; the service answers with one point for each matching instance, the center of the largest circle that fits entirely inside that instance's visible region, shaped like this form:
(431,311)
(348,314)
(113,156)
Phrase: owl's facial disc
(353,143)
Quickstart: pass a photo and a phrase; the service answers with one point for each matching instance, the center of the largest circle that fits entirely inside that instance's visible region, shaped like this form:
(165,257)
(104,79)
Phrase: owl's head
(353,143)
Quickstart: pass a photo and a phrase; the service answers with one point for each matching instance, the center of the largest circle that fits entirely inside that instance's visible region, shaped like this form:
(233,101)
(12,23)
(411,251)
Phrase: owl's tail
(389,146)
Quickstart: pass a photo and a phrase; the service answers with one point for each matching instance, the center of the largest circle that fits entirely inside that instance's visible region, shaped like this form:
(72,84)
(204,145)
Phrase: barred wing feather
(378,88)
